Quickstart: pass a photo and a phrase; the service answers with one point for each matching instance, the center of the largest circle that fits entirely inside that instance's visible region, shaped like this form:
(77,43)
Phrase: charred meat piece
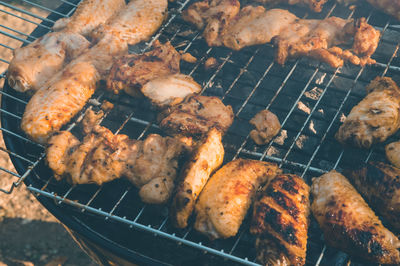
(131,72)
(213,16)
(227,196)
(391,7)
(195,116)
(375,118)
(207,157)
(393,153)
(280,221)
(349,224)
(267,126)
(314,5)
(379,184)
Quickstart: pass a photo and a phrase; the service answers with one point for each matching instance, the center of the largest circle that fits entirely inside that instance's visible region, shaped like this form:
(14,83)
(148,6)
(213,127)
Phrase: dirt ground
(29,234)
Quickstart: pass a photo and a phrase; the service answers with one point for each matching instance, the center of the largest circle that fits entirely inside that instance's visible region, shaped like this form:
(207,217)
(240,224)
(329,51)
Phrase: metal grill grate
(308,97)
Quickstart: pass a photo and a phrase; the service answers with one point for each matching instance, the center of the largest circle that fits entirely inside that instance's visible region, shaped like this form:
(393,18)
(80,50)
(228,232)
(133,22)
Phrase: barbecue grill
(309,98)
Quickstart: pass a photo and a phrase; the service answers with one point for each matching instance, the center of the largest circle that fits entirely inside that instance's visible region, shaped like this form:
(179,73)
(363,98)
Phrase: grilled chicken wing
(379,184)
(213,16)
(195,116)
(393,153)
(280,220)
(348,223)
(206,159)
(314,5)
(375,118)
(267,126)
(227,196)
(68,91)
(131,72)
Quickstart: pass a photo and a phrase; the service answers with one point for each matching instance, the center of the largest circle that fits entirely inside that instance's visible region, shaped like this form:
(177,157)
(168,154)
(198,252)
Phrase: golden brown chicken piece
(67,92)
(375,118)
(280,221)
(207,157)
(314,5)
(227,196)
(131,72)
(267,126)
(379,184)
(393,153)
(349,224)
(196,115)
(213,16)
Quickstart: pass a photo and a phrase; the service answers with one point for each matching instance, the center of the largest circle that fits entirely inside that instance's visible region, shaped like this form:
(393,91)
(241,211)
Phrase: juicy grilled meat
(314,5)
(280,219)
(379,184)
(391,7)
(348,223)
(131,72)
(393,153)
(375,118)
(267,126)
(205,160)
(227,196)
(195,116)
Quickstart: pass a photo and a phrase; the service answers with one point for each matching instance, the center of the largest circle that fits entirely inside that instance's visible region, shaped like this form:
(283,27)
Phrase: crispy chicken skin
(196,115)
(267,126)
(213,16)
(227,196)
(207,157)
(131,72)
(280,221)
(379,184)
(348,223)
(375,118)
(393,153)
(314,5)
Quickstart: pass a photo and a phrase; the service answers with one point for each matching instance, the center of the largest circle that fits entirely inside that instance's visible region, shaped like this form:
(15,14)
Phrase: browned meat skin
(349,224)
(131,72)
(375,118)
(213,16)
(267,126)
(314,5)
(280,220)
(195,116)
(393,153)
(379,184)
(207,157)
(227,196)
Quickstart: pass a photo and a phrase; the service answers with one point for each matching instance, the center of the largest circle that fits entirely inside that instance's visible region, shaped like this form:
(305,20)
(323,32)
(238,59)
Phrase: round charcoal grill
(309,98)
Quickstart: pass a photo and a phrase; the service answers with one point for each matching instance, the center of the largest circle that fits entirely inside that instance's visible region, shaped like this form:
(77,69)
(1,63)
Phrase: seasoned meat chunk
(267,126)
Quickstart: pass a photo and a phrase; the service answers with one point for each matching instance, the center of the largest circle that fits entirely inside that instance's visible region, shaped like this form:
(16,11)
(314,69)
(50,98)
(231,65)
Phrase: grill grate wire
(308,97)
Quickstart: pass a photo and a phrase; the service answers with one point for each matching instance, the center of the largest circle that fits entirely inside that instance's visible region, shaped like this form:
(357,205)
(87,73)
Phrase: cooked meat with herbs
(314,5)
(207,157)
(379,184)
(348,222)
(267,126)
(196,115)
(375,118)
(131,72)
(280,221)
(228,194)
(33,65)
(170,90)
(393,153)
(212,16)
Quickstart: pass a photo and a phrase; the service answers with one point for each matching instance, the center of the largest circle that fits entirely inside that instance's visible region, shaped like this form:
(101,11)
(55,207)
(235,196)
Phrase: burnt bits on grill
(379,184)
(314,5)
(195,116)
(280,221)
(375,118)
(227,196)
(349,224)
(267,126)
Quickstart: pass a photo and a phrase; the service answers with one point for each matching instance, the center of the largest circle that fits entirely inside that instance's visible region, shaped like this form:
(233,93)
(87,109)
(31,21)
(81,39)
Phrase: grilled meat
(195,116)
(314,5)
(375,118)
(131,72)
(267,126)
(213,16)
(206,159)
(391,7)
(227,196)
(348,223)
(393,153)
(379,184)
(280,220)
